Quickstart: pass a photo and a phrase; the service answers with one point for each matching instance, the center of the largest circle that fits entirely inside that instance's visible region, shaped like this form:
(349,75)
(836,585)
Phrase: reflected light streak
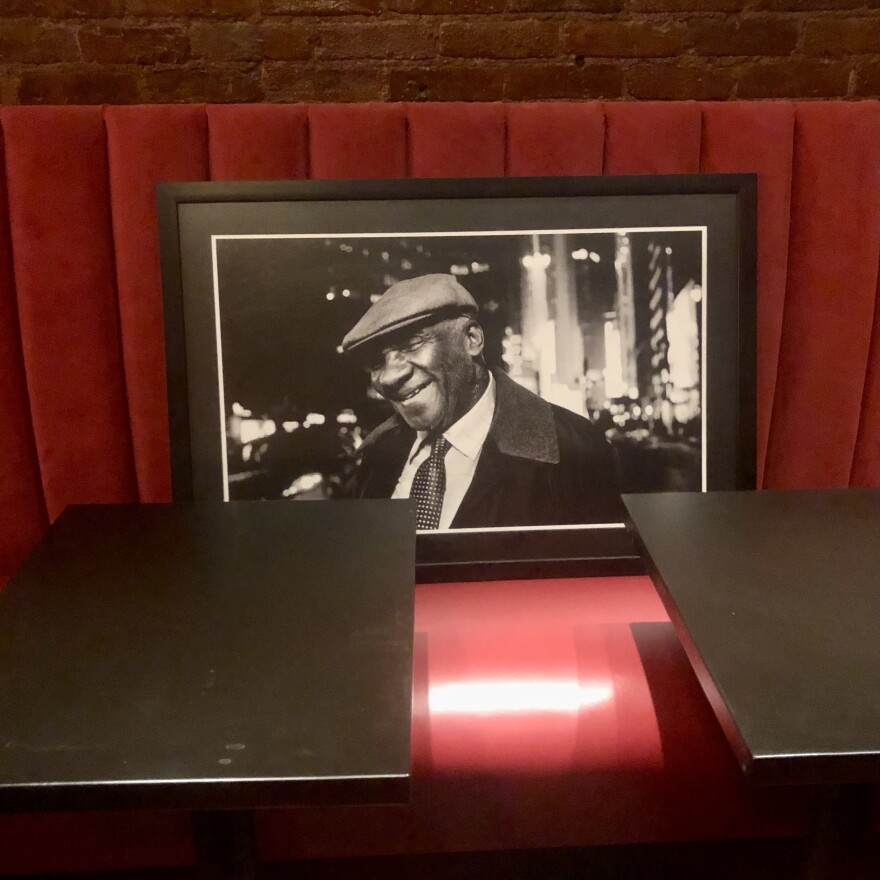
(502,697)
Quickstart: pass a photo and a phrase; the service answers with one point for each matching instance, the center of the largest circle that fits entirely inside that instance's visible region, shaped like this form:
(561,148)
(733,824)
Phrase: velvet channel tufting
(82,395)
(81,354)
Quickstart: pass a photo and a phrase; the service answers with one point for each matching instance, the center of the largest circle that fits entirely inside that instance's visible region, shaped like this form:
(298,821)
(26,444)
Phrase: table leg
(225,844)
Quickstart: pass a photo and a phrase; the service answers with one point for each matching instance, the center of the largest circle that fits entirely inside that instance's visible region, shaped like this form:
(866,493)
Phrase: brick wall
(124,51)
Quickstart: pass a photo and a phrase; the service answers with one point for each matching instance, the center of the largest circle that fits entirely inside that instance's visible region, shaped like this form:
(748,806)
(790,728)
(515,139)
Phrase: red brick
(565,5)
(116,44)
(288,42)
(500,39)
(69,84)
(447,7)
(732,36)
(226,41)
(836,37)
(320,7)
(34,42)
(300,82)
(193,8)
(550,82)
(624,39)
(308,49)
(809,5)
(65,8)
(9,82)
(802,78)
(867,83)
(448,84)
(219,83)
(669,81)
(366,40)
(686,5)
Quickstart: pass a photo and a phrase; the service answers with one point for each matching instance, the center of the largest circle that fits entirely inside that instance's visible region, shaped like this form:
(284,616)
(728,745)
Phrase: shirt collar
(469,433)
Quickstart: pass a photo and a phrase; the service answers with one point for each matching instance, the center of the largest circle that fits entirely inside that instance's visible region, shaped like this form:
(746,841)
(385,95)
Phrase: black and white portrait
(505,356)
(502,380)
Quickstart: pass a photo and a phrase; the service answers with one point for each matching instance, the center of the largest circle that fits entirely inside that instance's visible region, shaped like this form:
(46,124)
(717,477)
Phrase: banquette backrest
(84,419)
(82,386)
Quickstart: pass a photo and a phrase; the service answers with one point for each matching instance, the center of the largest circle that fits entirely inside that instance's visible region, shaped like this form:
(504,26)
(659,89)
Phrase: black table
(215,656)
(775,597)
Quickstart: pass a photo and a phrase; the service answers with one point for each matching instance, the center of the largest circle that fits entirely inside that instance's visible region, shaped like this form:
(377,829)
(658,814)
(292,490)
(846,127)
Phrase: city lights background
(604,323)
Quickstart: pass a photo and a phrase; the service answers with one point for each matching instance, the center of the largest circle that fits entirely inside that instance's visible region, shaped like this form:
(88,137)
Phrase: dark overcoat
(540,465)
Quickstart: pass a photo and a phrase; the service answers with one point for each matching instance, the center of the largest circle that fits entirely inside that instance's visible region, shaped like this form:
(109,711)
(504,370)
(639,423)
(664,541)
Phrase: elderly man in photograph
(470,445)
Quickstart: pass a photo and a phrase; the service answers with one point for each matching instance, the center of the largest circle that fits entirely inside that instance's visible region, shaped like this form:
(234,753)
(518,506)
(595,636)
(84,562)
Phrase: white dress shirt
(466,438)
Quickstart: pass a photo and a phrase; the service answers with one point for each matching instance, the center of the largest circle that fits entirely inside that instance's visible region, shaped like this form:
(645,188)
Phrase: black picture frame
(193,217)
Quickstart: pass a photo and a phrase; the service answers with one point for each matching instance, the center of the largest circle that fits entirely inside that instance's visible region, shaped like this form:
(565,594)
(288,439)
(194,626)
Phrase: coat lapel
(523,430)
(486,480)
(387,457)
(523,425)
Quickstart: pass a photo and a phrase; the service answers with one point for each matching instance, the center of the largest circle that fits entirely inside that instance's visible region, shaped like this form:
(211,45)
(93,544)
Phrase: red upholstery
(758,138)
(358,141)
(22,509)
(267,142)
(555,139)
(65,281)
(652,138)
(85,273)
(456,140)
(630,751)
(147,145)
(866,461)
(831,296)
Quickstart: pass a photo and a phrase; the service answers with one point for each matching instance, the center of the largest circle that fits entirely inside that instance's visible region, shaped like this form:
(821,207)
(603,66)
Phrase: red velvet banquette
(84,419)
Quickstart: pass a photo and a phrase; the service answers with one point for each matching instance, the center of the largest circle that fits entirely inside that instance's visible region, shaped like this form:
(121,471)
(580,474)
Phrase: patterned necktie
(429,486)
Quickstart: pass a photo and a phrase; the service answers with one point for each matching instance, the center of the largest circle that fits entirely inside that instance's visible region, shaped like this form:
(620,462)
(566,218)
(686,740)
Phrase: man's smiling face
(429,375)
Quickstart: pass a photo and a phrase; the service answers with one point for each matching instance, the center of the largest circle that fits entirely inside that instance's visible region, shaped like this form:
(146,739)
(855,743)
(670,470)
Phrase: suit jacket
(540,465)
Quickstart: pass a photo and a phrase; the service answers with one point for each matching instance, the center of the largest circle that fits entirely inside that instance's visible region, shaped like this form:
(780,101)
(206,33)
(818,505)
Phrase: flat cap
(409,302)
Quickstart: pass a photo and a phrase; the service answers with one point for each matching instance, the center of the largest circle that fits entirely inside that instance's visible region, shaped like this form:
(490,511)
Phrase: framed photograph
(511,353)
